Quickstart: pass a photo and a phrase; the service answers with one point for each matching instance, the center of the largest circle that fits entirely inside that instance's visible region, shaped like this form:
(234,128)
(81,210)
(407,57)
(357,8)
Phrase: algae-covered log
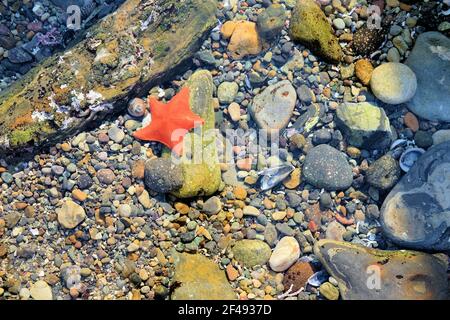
(122,56)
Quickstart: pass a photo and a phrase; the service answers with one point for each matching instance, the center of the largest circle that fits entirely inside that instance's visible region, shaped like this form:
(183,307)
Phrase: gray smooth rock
(416,214)
(272,109)
(430,61)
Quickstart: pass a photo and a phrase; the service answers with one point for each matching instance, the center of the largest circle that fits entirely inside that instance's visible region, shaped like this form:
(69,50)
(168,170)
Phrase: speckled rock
(162,175)
(366,41)
(297,276)
(384,173)
(326,167)
(371,274)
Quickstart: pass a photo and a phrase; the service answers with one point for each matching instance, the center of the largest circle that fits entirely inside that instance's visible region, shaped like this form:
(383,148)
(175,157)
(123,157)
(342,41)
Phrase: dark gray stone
(384,173)
(416,214)
(162,176)
(430,61)
(326,167)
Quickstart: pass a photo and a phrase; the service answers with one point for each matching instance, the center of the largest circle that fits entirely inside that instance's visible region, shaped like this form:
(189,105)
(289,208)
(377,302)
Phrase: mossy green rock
(310,26)
(370,274)
(251,252)
(199,162)
(364,125)
(199,278)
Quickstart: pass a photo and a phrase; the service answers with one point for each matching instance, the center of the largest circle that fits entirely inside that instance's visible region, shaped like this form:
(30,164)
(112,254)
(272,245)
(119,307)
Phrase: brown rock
(411,121)
(294,179)
(232,273)
(200,279)
(363,70)
(228,29)
(244,40)
(138,169)
(79,195)
(240,193)
(297,276)
(372,274)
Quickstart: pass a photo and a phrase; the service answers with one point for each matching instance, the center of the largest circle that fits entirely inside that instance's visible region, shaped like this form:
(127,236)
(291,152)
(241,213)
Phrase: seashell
(137,107)
(318,278)
(409,158)
(399,143)
(71,276)
(271,177)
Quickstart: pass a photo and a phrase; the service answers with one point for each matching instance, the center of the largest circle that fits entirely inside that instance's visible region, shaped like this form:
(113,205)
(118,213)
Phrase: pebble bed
(121,243)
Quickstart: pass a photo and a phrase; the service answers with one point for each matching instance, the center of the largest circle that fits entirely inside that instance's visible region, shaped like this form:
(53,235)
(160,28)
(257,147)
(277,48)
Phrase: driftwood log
(140,45)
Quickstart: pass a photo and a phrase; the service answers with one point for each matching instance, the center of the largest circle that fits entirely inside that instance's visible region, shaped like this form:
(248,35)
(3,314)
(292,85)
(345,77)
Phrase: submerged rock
(365,125)
(272,109)
(199,162)
(310,26)
(163,176)
(40,290)
(366,40)
(326,167)
(285,254)
(244,40)
(200,279)
(71,214)
(271,21)
(371,274)
(59,97)
(430,61)
(384,173)
(416,214)
(393,83)
(251,252)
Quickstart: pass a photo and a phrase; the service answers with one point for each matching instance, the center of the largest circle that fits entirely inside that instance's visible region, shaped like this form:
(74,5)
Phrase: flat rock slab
(430,61)
(121,57)
(371,274)
(200,279)
(416,214)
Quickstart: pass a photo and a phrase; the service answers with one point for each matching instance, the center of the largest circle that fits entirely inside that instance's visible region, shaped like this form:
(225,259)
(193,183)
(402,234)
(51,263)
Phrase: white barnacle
(65,124)
(41,116)
(101,107)
(52,102)
(94,97)
(4,141)
(77,98)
